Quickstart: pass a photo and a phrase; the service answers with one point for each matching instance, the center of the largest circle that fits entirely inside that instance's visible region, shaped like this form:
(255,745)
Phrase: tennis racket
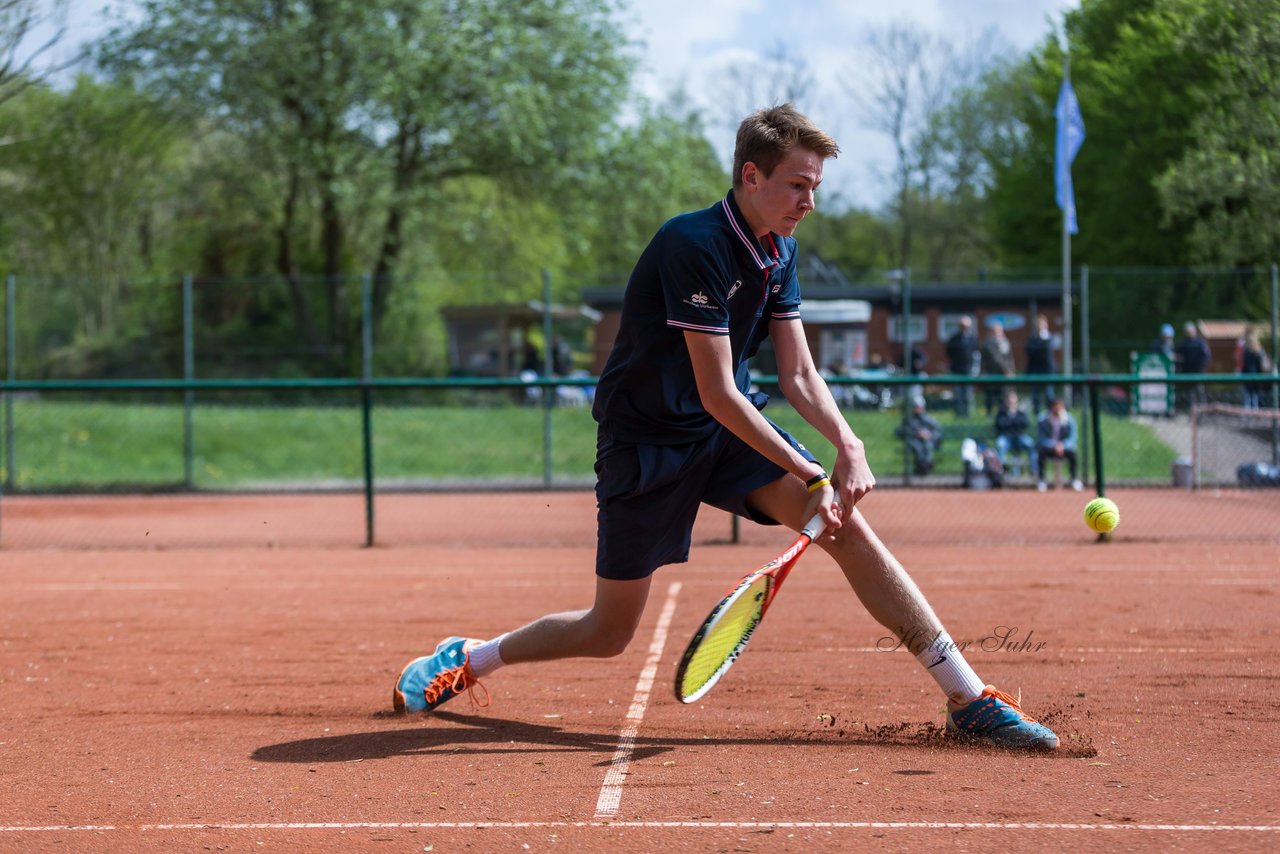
(732,622)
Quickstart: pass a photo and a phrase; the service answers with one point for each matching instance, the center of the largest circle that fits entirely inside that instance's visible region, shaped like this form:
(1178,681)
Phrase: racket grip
(814,528)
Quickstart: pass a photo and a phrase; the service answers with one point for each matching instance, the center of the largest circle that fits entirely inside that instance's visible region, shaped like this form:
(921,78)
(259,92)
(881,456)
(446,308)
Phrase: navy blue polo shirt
(703,271)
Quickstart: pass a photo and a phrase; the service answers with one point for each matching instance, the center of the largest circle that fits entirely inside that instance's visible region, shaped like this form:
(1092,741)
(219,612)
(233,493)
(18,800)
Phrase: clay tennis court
(214,674)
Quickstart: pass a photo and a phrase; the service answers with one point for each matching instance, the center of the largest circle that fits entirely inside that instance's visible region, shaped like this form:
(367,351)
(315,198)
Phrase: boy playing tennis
(678,427)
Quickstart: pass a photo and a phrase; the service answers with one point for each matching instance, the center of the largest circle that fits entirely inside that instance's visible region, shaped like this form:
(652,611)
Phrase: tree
(1226,185)
(366,109)
(779,76)
(891,99)
(920,89)
(645,173)
(1178,98)
(20,20)
(516,92)
(81,180)
(1134,82)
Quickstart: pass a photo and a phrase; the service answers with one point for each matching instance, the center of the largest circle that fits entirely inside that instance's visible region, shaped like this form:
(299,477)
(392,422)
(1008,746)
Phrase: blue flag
(1070,137)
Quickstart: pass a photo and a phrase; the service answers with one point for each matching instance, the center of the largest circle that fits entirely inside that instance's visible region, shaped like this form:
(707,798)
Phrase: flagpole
(1066,267)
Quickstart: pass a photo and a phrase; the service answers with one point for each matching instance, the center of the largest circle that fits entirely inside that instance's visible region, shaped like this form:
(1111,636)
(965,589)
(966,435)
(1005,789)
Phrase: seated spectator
(923,435)
(1011,428)
(1057,441)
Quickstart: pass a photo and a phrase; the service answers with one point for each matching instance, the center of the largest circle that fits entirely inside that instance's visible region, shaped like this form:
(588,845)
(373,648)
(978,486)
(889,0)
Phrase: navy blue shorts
(648,496)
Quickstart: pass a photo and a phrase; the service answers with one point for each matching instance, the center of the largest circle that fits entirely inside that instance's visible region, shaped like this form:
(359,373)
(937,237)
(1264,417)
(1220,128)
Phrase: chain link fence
(351,386)
(383,436)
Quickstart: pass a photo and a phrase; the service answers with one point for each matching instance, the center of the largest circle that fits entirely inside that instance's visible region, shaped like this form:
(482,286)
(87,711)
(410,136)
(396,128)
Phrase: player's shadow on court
(485,734)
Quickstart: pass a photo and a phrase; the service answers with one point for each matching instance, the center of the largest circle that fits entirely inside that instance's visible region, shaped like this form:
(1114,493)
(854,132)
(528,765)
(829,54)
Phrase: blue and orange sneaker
(428,681)
(998,719)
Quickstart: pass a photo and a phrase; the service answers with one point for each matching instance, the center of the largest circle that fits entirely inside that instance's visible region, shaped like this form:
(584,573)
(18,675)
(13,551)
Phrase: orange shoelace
(458,679)
(1017,706)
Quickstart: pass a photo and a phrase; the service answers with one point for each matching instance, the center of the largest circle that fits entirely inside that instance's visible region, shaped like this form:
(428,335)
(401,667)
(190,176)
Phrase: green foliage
(454,150)
(362,121)
(1133,86)
(83,185)
(1226,184)
(1177,167)
(644,173)
(854,240)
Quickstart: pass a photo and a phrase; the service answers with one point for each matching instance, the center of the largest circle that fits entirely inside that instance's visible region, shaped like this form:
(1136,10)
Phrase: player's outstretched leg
(996,718)
(892,598)
(428,681)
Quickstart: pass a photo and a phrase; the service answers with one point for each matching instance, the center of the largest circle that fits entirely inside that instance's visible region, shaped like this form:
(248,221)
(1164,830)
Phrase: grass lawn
(64,444)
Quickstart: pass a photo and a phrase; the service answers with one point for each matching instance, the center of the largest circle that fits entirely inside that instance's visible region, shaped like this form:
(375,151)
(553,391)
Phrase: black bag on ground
(1252,475)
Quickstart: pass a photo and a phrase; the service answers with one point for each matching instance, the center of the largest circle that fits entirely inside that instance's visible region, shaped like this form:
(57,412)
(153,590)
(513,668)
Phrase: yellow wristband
(818,483)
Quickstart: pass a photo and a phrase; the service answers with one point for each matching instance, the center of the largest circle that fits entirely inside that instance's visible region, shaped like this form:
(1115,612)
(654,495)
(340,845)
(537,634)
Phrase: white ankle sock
(945,663)
(485,656)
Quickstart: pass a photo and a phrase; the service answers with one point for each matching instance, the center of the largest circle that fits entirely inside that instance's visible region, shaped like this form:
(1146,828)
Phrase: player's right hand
(826,502)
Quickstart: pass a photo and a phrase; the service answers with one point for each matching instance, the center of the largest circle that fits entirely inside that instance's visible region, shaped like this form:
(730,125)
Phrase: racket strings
(724,640)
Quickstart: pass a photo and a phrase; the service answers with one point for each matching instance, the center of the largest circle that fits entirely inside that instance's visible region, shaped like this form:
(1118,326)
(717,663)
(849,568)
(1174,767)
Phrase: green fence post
(1095,420)
(10,354)
(1275,362)
(1085,361)
(366,400)
(11,371)
(548,392)
(904,275)
(188,395)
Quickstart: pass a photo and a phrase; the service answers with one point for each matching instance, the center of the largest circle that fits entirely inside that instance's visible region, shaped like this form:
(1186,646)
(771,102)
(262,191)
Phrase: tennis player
(679,426)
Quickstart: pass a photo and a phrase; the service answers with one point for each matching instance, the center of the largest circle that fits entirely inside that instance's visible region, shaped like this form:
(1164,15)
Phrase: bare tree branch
(777,77)
(19,19)
(908,84)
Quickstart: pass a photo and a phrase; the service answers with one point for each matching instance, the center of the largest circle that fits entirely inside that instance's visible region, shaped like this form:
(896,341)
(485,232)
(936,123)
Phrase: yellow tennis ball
(1102,515)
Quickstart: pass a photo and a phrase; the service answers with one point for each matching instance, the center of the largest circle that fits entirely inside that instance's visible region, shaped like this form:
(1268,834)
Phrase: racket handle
(815,527)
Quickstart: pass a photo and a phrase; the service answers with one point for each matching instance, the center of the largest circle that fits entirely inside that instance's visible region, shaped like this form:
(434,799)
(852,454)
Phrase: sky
(689,44)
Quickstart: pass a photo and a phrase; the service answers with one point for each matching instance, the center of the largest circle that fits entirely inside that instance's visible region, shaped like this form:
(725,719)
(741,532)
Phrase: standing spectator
(962,347)
(1040,361)
(1057,441)
(1253,361)
(919,361)
(918,368)
(923,435)
(531,359)
(1164,344)
(1192,358)
(1011,429)
(997,360)
(561,357)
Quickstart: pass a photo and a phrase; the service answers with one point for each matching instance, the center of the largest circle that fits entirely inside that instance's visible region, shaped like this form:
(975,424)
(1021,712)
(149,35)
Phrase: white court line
(744,825)
(611,792)
(1121,650)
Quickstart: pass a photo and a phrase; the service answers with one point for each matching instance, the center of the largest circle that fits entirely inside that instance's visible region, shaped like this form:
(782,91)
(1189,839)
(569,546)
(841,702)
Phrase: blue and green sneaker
(996,718)
(428,681)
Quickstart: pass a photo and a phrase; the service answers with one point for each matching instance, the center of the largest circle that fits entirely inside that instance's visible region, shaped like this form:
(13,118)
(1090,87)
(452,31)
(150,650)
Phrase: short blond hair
(767,136)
